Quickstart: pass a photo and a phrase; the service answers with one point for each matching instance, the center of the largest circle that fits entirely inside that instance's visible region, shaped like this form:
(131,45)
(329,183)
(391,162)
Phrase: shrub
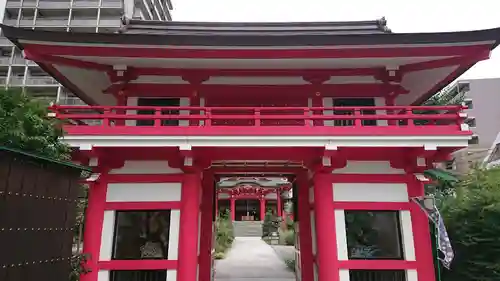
(224,235)
(270,224)
(290,224)
(471,216)
(289,237)
(290,264)
(25,126)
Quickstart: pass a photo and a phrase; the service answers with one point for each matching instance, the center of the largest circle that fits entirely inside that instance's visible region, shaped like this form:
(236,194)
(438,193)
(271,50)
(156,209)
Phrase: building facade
(103,16)
(330,106)
(481,96)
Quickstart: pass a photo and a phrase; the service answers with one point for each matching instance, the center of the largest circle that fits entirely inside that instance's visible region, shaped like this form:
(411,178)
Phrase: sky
(401,15)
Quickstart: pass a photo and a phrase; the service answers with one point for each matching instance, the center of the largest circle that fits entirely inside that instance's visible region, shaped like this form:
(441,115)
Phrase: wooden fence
(38,197)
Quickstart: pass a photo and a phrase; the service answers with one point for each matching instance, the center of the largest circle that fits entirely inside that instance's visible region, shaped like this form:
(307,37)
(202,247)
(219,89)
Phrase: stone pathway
(251,259)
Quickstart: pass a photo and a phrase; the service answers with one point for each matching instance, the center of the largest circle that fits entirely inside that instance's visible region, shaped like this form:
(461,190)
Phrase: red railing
(203,120)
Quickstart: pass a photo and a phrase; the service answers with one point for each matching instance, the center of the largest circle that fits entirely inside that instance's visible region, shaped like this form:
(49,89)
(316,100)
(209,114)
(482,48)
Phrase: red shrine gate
(175,105)
(265,197)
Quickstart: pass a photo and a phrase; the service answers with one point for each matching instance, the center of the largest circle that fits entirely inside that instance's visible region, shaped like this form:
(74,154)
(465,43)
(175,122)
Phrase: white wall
(143,192)
(146,167)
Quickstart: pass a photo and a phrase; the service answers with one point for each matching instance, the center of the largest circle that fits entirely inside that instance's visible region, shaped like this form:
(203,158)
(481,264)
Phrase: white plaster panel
(271,196)
(88,141)
(103,275)
(184,102)
(224,196)
(313,233)
(131,101)
(171,275)
(143,192)
(344,275)
(173,236)
(421,162)
(340,230)
(370,192)
(407,235)
(368,167)
(380,101)
(146,167)
(411,275)
(107,234)
(202,112)
(328,102)
(315,271)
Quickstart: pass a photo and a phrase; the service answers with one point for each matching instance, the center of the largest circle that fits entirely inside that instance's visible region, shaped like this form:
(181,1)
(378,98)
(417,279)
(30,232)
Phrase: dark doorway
(354,103)
(160,102)
(247,210)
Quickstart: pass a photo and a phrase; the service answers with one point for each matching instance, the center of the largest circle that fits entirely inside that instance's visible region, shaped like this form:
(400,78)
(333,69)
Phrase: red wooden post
(422,239)
(207,204)
(262,208)
(326,237)
(93,226)
(188,229)
(233,208)
(305,233)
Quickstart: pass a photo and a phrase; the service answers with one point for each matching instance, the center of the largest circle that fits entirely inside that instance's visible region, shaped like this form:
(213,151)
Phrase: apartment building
(64,15)
(483,97)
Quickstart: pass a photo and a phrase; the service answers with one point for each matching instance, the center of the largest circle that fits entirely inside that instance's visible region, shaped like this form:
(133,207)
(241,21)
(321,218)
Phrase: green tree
(24,125)
(471,216)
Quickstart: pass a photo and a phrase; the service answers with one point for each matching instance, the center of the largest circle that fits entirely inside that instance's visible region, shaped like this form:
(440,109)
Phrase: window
(158,102)
(141,235)
(138,275)
(369,275)
(373,235)
(356,102)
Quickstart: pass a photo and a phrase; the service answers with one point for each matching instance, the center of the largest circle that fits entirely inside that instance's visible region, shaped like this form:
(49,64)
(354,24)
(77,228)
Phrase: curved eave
(338,27)
(189,44)
(286,40)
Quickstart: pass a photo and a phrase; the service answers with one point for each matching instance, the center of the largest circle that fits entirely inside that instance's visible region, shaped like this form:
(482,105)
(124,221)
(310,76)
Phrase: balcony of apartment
(41,81)
(20,4)
(264,121)
(4,42)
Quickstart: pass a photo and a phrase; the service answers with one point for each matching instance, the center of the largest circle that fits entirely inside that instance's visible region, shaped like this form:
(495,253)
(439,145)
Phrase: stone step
(247,228)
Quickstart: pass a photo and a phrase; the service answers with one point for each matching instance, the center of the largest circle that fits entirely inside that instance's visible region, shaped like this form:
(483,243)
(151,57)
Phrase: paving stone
(251,259)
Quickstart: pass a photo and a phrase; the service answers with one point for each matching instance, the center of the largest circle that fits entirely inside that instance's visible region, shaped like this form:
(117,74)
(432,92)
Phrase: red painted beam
(257,72)
(137,265)
(359,52)
(235,92)
(129,206)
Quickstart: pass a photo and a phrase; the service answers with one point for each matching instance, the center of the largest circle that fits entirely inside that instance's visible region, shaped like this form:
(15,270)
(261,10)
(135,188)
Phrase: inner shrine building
(335,108)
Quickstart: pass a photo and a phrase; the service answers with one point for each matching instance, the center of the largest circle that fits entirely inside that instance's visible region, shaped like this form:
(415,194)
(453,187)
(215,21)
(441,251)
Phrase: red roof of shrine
(351,59)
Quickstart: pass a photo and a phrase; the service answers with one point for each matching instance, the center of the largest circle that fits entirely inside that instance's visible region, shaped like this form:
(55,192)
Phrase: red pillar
(94,217)
(207,204)
(422,239)
(233,208)
(188,229)
(305,233)
(326,237)
(278,203)
(262,208)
